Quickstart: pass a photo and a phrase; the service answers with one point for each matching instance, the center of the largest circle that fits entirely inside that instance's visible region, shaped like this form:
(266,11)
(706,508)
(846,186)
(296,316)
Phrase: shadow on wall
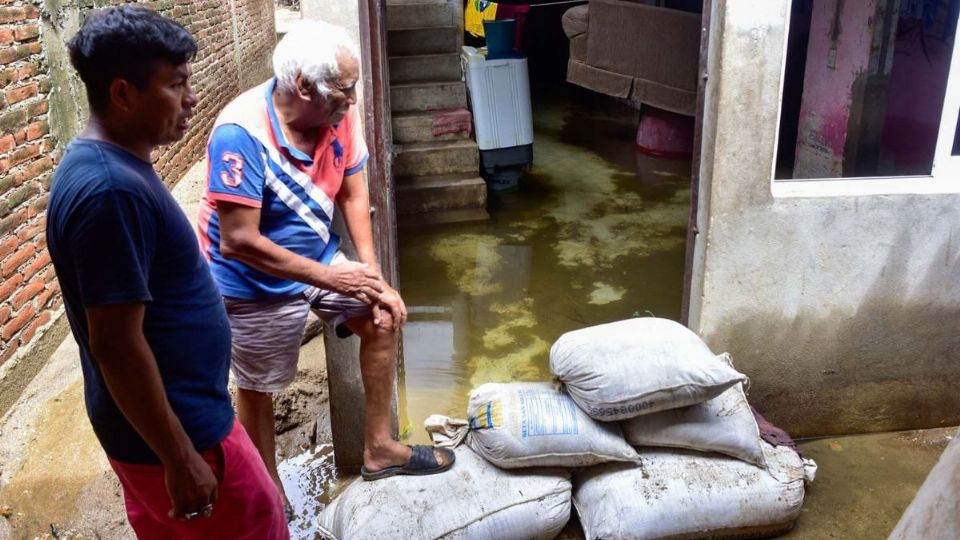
(892,365)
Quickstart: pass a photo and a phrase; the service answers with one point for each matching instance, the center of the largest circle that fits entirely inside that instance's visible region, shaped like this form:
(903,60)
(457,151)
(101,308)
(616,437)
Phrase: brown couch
(638,52)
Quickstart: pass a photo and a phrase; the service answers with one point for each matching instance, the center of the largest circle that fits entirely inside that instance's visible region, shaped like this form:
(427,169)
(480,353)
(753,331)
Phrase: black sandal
(422,462)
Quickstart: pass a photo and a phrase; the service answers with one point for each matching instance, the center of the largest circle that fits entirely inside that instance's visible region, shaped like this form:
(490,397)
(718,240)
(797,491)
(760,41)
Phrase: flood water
(594,233)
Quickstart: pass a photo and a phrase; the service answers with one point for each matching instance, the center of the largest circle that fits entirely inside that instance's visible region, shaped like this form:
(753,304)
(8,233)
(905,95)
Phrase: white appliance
(499,91)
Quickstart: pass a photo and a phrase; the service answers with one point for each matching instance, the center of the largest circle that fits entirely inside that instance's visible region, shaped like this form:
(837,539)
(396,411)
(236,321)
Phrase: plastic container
(500,37)
(500,99)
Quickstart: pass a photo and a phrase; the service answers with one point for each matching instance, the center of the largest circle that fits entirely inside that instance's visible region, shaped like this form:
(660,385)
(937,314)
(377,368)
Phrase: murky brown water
(595,233)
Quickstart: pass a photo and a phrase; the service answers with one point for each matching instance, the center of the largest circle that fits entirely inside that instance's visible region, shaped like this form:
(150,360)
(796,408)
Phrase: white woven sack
(474,499)
(638,366)
(534,424)
(724,424)
(685,494)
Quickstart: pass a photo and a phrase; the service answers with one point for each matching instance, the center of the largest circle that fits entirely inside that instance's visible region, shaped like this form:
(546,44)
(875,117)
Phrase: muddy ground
(55,481)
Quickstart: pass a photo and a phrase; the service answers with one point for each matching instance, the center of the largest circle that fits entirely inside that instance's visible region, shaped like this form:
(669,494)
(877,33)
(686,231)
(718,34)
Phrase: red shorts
(248,503)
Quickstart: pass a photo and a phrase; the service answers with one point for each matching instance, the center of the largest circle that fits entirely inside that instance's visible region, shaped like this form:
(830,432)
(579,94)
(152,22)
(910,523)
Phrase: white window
(870,99)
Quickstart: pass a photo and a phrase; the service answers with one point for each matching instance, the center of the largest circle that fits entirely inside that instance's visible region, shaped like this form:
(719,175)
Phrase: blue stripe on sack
(489,414)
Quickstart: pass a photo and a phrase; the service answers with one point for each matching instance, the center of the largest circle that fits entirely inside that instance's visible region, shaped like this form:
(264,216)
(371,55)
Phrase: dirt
(55,481)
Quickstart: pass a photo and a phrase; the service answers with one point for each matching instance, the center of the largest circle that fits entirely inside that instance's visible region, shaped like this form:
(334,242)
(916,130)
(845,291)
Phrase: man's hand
(191,486)
(355,279)
(389,300)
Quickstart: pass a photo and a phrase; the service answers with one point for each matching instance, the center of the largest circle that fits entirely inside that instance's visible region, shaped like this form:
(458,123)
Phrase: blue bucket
(499,34)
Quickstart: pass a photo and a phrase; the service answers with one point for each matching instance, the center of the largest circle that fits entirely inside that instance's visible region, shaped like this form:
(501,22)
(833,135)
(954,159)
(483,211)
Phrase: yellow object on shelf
(476,12)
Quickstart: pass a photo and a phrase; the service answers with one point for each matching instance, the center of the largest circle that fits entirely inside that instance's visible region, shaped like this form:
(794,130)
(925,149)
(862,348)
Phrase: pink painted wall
(825,107)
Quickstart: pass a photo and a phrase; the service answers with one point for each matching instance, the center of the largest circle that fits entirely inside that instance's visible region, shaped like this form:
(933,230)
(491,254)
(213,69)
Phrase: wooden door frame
(692,227)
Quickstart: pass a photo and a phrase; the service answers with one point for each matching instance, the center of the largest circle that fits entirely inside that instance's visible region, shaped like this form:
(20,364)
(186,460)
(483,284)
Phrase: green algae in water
(582,242)
(604,294)
(523,364)
(472,261)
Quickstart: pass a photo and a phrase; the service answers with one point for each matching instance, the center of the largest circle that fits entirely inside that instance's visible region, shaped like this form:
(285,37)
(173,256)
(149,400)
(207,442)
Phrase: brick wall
(235,38)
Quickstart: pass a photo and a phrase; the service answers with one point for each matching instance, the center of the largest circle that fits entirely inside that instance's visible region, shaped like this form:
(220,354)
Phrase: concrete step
(437,125)
(425,67)
(441,193)
(436,40)
(420,15)
(427,96)
(437,158)
(442,217)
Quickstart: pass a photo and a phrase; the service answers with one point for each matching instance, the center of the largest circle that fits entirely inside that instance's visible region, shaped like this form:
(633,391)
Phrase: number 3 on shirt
(234,174)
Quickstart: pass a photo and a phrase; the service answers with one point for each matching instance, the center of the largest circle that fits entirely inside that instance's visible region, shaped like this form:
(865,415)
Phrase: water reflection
(311,482)
(594,233)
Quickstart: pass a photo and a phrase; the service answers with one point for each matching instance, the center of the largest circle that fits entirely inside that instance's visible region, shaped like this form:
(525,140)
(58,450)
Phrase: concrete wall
(42,106)
(935,512)
(843,310)
(345,13)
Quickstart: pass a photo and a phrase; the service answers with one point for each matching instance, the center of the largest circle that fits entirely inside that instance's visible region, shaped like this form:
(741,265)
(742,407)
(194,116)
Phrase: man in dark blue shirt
(153,334)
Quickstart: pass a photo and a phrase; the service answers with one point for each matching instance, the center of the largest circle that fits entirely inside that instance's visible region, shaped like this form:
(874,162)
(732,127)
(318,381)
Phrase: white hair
(311,48)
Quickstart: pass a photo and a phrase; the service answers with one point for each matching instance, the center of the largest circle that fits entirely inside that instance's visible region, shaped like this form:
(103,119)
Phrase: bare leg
(378,360)
(255,410)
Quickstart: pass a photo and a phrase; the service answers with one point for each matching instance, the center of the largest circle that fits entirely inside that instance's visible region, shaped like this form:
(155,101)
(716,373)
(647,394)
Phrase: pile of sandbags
(658,433)
(474,499)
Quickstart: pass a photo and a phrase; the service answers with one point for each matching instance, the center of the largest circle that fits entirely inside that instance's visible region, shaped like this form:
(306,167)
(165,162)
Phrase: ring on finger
(203,512)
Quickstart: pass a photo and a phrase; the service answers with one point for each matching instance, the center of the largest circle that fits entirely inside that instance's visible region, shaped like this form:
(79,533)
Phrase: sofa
(635,51)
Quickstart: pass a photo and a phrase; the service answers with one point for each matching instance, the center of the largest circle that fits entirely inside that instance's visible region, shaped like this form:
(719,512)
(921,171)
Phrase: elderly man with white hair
(282,156)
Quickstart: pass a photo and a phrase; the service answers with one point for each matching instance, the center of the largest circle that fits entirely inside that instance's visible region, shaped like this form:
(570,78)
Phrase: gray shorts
(267,333)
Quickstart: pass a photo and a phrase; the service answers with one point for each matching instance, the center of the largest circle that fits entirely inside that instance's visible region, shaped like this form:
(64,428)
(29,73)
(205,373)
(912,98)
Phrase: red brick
(19,321)
(38,108)
(12,14)
(6,36)
(9,286)
(26,91)
(12,221)
(45,296)
(27,293)
(13,262)
(8,76)
(7,143)
(28,233)
(29,31)
(8,245)
(38,167)
(24,153)
(37,130)
(5,313)
(42,261)
(49,275)
(26,71)
(8,351)
(31,330)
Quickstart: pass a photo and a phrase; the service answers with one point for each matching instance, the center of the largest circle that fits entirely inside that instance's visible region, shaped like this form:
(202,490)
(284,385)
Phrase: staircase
(437,163)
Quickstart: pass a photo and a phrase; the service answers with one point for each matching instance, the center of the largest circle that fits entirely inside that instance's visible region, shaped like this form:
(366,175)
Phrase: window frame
(944,177)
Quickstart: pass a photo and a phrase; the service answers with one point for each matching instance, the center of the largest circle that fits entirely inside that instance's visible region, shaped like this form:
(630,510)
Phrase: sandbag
(687,494)
(474,499)
(724,424)
(534,424)
(638,366)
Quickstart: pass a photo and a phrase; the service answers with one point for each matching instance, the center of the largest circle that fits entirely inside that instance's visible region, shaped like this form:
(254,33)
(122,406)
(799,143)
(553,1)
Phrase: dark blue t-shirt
(116,236)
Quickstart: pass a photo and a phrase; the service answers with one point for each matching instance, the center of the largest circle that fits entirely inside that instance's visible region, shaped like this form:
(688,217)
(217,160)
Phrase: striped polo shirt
(251,164)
